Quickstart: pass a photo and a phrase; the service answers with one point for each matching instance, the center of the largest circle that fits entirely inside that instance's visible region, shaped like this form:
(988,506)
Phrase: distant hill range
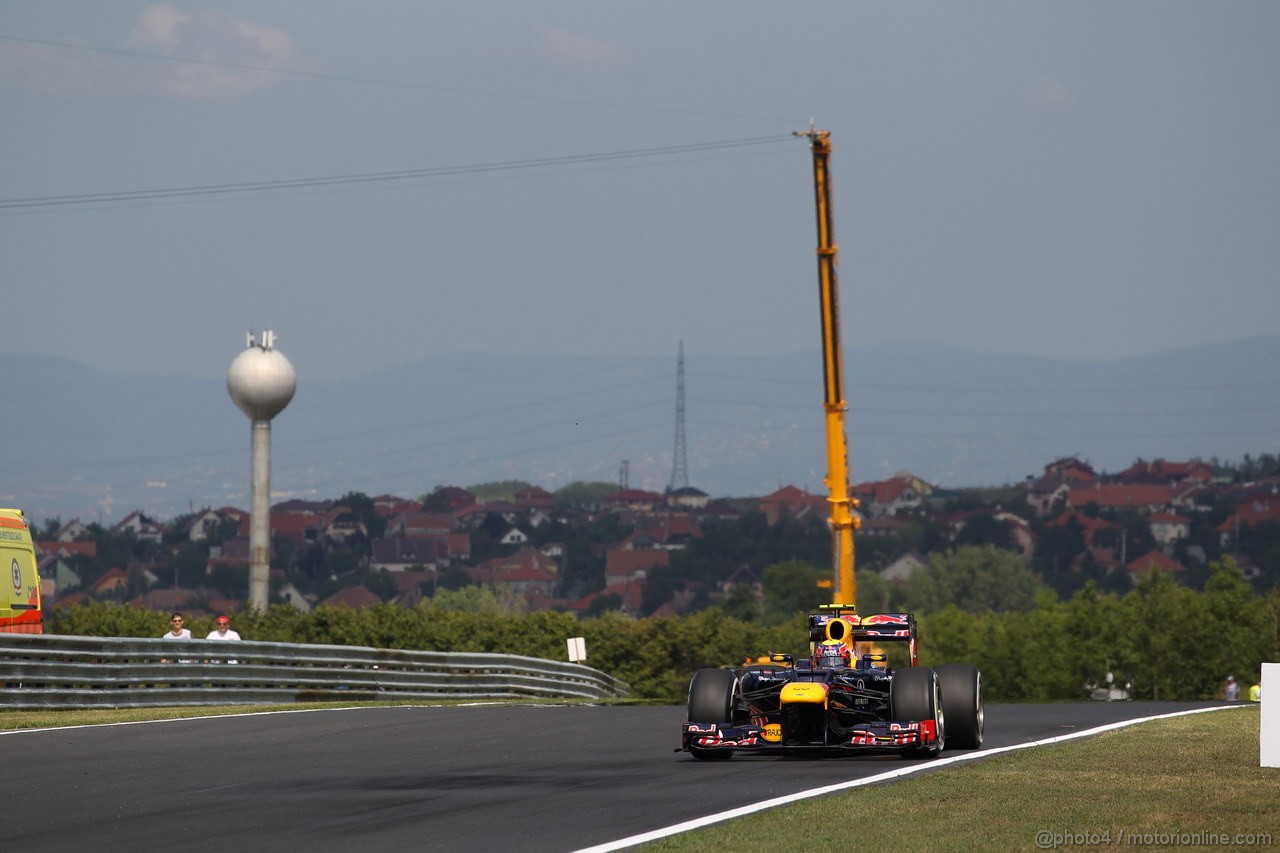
(81,443)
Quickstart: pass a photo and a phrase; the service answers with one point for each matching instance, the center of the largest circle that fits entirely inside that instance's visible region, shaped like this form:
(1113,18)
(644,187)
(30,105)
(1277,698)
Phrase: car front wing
(879,735)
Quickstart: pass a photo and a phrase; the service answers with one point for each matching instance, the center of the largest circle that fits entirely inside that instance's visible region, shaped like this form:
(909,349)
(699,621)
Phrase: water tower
(261,382)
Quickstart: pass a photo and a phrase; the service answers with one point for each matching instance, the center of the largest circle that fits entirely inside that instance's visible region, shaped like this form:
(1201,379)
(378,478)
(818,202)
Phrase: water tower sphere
(261,382)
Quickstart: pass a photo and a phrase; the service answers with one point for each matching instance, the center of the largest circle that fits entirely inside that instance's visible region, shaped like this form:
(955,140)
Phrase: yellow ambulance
(20,611)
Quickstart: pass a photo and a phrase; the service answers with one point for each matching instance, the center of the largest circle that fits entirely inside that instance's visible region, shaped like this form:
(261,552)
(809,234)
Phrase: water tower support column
(259,514)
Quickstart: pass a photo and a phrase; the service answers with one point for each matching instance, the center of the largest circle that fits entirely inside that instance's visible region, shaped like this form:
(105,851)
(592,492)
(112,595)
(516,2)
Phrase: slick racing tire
(713,694)
(961,685)
(914,695)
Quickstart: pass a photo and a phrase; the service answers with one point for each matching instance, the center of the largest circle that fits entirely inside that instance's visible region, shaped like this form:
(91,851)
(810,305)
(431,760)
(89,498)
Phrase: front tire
(914,695)
(713,693)
(961,685)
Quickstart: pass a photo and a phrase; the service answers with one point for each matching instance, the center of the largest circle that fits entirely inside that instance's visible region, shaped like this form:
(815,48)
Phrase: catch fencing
(54,671)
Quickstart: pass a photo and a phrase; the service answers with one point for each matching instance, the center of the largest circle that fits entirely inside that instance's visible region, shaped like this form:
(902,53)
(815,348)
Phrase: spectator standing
(177,631)
(1232,689)
(222,631)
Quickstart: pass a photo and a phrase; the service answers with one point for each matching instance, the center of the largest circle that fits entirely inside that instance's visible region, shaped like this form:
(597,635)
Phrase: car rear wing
(842,622)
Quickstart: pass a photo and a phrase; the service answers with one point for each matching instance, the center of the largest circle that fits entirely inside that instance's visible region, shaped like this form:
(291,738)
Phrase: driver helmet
(832,654)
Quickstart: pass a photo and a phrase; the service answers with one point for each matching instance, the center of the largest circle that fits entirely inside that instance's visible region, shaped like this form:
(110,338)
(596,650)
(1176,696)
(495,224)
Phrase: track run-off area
(374,779)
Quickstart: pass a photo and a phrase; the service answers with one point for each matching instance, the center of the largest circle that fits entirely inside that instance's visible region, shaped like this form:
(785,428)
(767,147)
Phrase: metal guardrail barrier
(54,671)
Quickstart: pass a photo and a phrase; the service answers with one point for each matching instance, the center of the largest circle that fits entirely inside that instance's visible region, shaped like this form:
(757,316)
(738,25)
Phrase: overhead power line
(372,177)
(1003,389)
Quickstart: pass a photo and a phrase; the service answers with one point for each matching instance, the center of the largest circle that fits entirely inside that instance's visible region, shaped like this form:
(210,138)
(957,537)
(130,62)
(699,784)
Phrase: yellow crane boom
(842,505)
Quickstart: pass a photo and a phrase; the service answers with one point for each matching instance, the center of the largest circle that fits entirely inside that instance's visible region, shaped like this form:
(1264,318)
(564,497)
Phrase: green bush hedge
(1173,642)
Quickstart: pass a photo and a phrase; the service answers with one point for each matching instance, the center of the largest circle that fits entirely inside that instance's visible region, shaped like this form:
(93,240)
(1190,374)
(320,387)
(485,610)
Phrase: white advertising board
(1270,734)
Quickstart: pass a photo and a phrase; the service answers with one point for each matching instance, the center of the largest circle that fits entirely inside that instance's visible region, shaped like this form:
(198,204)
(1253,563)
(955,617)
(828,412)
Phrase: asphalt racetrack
(497,777)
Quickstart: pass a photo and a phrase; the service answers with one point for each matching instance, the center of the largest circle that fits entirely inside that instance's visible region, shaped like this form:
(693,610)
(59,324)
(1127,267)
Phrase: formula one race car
(844,698)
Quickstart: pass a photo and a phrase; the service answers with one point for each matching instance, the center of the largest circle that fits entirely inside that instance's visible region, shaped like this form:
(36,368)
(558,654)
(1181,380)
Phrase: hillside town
(542,550)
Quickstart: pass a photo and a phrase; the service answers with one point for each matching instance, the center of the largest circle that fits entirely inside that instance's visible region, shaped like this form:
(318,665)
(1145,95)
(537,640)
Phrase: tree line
(1170,641)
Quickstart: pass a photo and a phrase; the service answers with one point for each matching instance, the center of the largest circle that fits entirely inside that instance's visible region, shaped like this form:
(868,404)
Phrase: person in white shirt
(223,632)
(177,632)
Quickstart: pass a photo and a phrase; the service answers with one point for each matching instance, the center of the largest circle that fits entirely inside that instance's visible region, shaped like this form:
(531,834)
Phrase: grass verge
(1150,786)
(12,720)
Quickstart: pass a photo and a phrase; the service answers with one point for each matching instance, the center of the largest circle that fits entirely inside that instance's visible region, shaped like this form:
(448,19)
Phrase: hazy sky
(1082,180)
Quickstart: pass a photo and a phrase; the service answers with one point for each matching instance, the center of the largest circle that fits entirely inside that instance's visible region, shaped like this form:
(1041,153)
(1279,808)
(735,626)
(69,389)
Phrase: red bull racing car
(845,698)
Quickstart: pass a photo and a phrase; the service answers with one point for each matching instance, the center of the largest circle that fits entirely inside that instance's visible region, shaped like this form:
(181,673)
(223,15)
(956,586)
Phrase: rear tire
(713,694)
(914,695)
(961,685)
